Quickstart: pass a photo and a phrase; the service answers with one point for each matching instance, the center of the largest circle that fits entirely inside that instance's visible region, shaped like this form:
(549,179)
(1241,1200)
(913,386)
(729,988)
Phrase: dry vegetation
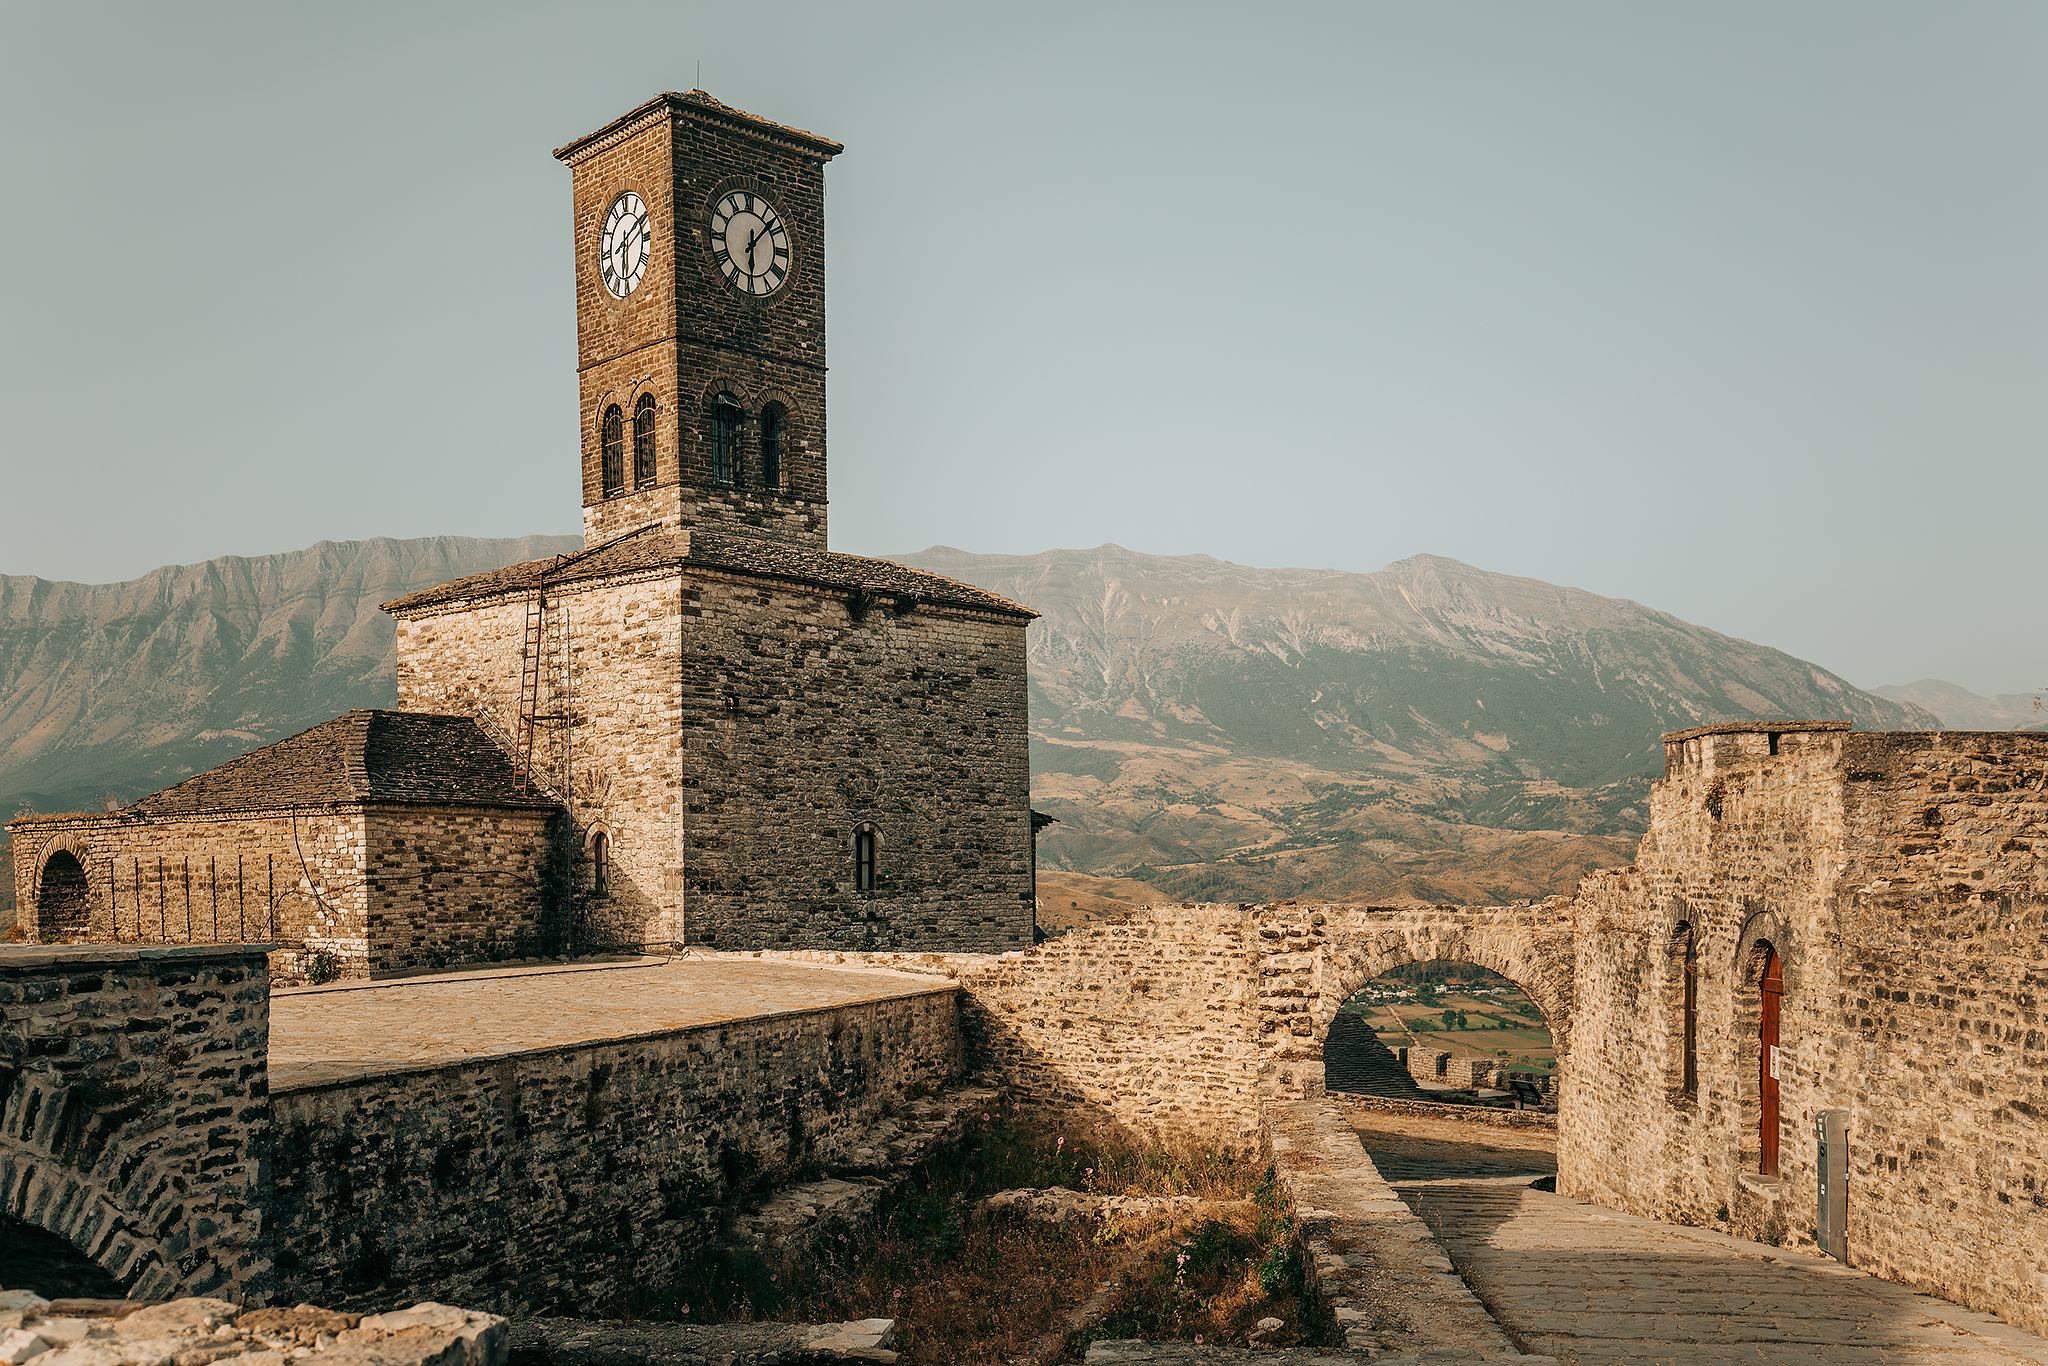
(965,1285)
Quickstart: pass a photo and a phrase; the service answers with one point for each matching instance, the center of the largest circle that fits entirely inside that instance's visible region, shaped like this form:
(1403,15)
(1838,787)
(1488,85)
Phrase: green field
(1492,1026)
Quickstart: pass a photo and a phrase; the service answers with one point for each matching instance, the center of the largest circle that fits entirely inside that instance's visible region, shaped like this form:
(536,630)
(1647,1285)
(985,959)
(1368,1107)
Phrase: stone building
(750,741)
(379,837)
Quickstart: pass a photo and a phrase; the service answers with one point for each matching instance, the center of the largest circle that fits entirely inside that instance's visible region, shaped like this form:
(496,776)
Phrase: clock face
(625,245)
(749,243)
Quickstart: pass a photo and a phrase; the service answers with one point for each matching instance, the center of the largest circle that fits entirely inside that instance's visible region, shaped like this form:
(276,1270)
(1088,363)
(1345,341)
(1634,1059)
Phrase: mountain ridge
(1244,733)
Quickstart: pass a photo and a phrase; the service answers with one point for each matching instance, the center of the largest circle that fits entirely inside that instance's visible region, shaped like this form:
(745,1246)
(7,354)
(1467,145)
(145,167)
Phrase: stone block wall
(560,1178)
(133,1114)
(1153,1023)
(1898,878)
(375,888)
(458,884)
(283,877)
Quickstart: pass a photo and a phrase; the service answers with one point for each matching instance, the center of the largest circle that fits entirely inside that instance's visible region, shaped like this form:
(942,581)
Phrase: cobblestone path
(321,1034)
(1588,1285)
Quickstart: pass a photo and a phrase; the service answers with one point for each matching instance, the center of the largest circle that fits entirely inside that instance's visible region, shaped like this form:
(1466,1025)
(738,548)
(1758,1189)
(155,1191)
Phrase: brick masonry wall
(1898,879)
(734,731)
(562,1178)
(133,1114)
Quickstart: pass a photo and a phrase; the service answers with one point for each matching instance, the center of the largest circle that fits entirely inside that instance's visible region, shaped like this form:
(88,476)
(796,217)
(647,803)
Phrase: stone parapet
(1375,1268)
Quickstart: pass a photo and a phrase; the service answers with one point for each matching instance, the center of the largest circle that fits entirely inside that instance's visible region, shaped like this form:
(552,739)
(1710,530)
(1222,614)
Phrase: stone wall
(563,1177)
(132,1111)
(282,876)
(458,884)
(1897,876)
(732,734)
(376,888)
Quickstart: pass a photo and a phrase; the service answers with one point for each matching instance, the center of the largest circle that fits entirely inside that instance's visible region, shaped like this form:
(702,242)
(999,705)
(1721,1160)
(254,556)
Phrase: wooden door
(1773,995)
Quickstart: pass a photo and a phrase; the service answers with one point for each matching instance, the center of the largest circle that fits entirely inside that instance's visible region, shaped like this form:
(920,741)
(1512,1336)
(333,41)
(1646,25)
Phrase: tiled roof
(363,756)
(718,550)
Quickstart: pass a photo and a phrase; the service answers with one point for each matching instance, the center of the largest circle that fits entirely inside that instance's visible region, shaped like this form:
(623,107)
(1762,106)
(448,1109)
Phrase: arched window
(774,419)
(726,420)
(1688,948)
(643,442)
(600,864)
(612,445)
(864,859)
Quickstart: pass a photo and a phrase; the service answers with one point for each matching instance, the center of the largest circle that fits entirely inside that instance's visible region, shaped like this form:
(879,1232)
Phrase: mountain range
(1431,730)
(1208,729)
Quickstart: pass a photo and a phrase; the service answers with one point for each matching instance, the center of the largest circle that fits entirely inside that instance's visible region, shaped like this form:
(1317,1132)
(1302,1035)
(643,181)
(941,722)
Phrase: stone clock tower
(700,322)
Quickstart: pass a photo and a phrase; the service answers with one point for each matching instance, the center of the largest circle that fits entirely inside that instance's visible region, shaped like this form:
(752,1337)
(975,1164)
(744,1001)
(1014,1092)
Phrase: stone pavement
(1589,1285)
(325,1033)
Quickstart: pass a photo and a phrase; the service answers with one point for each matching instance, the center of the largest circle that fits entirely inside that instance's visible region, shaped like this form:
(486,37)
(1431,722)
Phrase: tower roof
(705,548)
(698,105)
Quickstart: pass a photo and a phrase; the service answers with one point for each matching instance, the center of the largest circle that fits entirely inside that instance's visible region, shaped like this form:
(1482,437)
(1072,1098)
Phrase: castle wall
(1896,875)
(731,734)
(558,1179)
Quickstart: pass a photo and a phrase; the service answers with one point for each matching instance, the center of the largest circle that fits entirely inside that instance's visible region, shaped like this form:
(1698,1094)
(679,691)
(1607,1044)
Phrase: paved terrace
(1593,1287)
(349,1029)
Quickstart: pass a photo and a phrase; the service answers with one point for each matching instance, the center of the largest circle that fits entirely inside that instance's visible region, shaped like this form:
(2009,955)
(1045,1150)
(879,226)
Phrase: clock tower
(700,322)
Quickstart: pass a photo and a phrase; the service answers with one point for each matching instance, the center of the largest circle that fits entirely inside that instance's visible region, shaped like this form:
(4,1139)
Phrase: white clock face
(749,243)
(625,245)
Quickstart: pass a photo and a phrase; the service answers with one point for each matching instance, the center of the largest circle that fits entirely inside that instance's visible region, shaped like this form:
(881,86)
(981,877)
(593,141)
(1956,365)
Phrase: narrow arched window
(612,444)
(600,864)
(643,442)
(726,420)
(864,859)
(1689,1008)
(774,420)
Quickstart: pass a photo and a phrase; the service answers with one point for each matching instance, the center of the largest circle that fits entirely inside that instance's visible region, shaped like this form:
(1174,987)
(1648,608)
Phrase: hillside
(124,688)
(1961,709)
(1431,730)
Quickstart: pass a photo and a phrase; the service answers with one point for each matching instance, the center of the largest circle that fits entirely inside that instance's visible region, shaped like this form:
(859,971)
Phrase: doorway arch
(63,897)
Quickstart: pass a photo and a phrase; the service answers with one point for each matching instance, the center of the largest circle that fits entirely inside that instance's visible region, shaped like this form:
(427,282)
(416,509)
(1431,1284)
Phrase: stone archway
(63,896)
(1318,956)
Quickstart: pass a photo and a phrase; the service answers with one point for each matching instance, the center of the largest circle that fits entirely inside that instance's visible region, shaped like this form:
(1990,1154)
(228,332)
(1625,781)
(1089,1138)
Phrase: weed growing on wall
(968,1286)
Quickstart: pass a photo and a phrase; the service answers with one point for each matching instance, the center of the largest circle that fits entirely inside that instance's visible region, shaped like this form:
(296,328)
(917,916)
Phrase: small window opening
(864,859)
(772,423)
(601,865)
(612,444)
(726,419)
(643,442)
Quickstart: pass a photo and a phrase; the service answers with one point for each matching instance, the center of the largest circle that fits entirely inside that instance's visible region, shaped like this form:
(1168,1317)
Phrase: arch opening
(33,1258)
(63,900)
(1442,1030)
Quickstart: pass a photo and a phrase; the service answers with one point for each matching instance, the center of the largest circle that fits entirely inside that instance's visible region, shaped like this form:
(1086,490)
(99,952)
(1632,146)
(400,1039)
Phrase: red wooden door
(1773,994)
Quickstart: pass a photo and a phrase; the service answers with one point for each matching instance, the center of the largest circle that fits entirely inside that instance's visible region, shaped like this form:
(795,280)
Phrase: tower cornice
(696,105)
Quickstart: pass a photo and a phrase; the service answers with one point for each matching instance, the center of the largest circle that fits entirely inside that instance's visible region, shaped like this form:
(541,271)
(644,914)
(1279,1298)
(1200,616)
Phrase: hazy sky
(1739,310)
